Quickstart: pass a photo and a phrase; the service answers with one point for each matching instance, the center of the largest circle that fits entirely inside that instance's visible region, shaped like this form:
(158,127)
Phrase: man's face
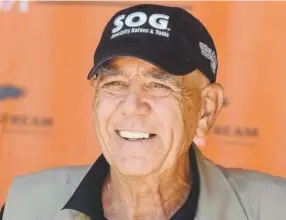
(145,118)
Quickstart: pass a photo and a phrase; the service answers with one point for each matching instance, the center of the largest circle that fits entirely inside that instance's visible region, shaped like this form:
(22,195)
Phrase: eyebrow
(164,76)
(107,71)
(158,74)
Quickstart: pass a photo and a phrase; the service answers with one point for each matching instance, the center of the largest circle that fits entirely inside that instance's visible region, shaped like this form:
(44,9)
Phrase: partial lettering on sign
(8,5)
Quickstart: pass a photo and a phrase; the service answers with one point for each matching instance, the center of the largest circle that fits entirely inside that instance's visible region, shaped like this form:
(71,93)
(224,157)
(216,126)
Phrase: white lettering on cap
(137,19)
(159,21)
(118,23)
(141,18)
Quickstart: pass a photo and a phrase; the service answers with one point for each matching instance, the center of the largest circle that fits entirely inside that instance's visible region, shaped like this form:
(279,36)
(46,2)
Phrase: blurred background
(46,51)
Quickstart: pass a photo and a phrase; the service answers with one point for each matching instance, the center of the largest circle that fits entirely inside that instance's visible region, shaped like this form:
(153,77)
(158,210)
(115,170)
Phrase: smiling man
(142,125)
(154,90)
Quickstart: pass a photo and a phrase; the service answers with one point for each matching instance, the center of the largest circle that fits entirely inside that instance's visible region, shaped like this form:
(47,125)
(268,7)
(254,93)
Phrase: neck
(160,194)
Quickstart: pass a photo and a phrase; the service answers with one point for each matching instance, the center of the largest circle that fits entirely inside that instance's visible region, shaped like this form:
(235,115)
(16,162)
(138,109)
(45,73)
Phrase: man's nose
(134,102)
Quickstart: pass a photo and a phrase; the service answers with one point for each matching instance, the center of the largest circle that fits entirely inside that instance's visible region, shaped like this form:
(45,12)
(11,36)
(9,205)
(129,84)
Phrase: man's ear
(212,100)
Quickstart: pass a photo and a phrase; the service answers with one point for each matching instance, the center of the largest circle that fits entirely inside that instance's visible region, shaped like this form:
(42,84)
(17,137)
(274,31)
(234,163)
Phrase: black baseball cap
(168,37)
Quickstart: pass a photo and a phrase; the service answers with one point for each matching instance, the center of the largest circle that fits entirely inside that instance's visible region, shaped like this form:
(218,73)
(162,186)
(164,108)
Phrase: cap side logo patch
(208,53)
(132,23)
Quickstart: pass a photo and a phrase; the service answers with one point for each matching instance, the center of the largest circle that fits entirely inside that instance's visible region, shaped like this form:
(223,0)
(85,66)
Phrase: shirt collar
(87,198)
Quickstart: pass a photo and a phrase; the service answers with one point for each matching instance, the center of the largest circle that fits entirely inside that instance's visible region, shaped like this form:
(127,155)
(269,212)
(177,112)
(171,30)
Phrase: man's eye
(114,83)
(159,86)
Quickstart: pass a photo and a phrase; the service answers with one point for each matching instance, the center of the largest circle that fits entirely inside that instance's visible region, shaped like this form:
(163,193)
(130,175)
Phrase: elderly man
(154,89)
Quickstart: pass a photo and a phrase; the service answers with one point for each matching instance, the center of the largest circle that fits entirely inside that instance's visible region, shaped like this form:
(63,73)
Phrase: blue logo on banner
(10,92)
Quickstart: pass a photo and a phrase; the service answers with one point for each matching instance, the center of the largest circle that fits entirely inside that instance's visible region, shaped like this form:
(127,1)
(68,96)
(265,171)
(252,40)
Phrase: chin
(134,167)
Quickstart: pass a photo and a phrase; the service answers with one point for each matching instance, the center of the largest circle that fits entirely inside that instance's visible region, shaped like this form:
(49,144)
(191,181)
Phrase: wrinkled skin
(149,177)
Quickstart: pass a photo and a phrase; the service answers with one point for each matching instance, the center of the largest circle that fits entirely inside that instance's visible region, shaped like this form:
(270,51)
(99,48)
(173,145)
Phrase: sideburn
(190,104)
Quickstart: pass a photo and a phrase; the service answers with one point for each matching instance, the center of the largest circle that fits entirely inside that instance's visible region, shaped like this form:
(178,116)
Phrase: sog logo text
(133,24)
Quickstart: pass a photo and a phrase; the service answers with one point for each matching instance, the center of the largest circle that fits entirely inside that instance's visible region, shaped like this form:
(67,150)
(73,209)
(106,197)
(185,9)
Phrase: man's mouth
(134,135)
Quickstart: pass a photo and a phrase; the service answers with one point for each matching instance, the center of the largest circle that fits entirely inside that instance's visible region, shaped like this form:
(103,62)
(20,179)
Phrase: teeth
(134,135)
